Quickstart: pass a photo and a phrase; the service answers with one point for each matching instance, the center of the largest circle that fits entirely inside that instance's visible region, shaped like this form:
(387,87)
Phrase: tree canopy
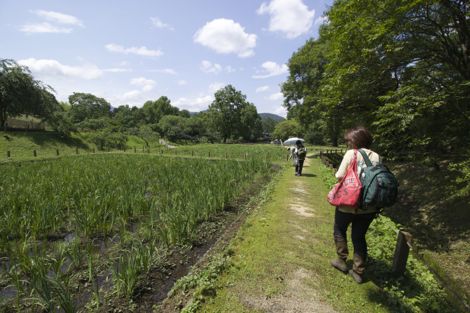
(20,93)
(233,116)
(399,67)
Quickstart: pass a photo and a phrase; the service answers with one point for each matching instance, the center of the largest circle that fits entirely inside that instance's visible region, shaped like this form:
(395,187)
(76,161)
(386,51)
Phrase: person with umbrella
(300,153)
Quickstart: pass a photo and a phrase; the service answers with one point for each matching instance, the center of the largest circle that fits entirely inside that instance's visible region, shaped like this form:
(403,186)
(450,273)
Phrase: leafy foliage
(20,93)
(400,68)
(286,129)
(232,116)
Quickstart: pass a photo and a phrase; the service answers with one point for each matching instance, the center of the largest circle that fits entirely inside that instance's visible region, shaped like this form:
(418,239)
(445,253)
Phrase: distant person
(300,153)
(356,138)
(292,155)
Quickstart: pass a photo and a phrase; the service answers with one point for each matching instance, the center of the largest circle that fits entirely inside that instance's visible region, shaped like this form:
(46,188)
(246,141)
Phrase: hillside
(21,144)
(272,116)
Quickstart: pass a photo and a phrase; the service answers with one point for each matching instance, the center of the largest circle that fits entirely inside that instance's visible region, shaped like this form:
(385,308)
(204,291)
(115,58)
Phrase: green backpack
(379,185)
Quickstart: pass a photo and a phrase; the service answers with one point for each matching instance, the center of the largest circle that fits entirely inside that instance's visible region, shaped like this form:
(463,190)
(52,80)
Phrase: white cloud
(48,67)
(281,111)
(117,70)
(209,67)
(321,20)
(55,18)
(44,28)
(276,96)
(226,36)
(159,24)
(182,82)
(144,83)
(194,104)
(271,69)
(131,95)
(143,51)
(216,86)
(230,69)
(262,89)
(290,17)
(60,18)
(168,71)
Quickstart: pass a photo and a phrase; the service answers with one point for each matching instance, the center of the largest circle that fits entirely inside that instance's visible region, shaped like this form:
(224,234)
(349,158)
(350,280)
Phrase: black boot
(359,266)
(342,251)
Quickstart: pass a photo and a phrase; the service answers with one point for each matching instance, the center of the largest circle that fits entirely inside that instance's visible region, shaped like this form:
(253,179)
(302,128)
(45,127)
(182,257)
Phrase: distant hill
(275,117)
(264,116)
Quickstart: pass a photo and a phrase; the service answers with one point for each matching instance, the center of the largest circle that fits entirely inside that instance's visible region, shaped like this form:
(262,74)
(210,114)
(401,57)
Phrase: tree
(286,129)
(128,117)
(268,125)
(251,124)
(154,110)
(88,106)
(401,68)
(21,94)
(173,127)
(233,116)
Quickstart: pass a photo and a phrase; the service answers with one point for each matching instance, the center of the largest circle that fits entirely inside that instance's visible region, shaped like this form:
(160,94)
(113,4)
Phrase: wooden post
(8,154)
(76,150)
(192,153)
(56,151)
(161,151)
(402,250)
(246,155)
(34,153)
(209,154)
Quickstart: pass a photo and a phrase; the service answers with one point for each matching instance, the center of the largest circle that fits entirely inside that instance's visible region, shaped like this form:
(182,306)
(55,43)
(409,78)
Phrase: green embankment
(280,260)
(21,144)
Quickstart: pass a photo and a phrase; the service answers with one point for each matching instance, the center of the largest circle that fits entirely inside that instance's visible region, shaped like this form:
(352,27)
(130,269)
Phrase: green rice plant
(128,268)
(138,197)
(18,283)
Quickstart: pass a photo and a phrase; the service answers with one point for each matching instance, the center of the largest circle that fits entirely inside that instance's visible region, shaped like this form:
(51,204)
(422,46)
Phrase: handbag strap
(366,158)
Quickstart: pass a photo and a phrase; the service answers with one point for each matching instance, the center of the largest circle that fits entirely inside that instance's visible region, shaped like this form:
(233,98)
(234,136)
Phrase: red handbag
(348,191)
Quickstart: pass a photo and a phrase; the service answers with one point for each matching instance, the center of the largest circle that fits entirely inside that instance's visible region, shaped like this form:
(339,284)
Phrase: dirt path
(274,252)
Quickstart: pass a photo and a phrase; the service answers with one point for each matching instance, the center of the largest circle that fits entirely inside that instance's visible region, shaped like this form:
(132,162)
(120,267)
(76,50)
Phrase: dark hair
(359,137)
(298,143)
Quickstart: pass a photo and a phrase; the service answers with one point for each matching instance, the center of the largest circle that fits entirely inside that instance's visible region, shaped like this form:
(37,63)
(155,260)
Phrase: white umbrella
(292,141)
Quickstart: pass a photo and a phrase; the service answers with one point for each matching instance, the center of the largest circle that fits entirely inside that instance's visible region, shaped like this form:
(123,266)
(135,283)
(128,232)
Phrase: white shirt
(349,155)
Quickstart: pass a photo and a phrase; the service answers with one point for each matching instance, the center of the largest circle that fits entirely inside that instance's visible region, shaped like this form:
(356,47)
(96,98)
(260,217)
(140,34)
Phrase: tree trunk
(3,120)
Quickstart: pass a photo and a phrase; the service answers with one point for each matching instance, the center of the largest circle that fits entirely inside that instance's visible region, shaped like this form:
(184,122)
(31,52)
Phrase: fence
(54,153)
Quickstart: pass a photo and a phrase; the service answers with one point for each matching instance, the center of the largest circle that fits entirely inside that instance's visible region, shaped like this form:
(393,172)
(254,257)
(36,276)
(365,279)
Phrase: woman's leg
(301,165)
(342,221)
(360,225)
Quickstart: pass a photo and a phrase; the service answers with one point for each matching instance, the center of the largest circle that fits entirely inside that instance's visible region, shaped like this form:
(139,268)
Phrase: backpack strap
(365,157)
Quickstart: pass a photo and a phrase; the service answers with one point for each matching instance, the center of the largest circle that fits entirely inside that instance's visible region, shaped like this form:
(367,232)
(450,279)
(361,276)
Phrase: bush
(109,140)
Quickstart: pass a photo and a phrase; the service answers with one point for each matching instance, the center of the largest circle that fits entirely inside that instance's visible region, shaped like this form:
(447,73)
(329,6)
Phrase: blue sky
(129,52)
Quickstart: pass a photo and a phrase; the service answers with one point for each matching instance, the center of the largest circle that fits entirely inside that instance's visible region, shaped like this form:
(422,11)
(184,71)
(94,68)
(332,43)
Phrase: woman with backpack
(360,219)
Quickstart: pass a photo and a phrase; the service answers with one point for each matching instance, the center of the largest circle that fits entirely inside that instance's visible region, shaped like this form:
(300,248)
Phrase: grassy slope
(21,144)
(439,222)
(267,251)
